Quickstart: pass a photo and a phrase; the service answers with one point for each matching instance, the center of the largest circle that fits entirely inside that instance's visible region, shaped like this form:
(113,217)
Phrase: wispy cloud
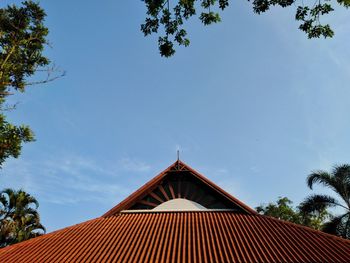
(133,165)
(70,178)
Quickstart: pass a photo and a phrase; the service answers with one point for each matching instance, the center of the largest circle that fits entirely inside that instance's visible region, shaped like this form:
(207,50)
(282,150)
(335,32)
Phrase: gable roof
(177,181)
(125,234)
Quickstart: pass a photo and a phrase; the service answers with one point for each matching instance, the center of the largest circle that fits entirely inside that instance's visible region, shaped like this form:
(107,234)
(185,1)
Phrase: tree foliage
(338,180)
(19,218)
(169,17)
(11,139)
(283,209)
(23,37)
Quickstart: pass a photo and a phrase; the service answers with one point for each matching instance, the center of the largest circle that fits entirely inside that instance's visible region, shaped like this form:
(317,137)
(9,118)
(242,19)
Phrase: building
(181,216)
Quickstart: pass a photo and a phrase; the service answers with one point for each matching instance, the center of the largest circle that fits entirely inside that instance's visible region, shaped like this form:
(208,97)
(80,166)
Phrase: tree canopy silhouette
(169,17)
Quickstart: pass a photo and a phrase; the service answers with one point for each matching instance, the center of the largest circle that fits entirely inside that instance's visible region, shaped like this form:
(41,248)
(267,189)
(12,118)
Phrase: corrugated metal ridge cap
(178,211)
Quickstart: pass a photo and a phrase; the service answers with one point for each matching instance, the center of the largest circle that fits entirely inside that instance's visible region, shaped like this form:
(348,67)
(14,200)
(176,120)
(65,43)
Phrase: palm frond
(338,225)
(317,203)
(20,215)
(341,178)
(321,177)
(341,171)
(331,227)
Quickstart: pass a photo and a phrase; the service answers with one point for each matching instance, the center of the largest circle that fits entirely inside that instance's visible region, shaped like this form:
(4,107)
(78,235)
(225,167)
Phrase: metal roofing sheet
(181,237)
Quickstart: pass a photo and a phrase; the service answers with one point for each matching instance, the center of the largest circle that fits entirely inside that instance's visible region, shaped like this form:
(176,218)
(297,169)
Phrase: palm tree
(19,218)
(337,180)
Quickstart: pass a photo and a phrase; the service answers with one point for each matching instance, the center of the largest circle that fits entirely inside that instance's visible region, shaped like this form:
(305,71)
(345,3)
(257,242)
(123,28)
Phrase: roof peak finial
(178,155)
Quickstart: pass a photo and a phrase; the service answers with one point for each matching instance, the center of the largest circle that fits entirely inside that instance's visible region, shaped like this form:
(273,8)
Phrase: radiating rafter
(180,181)
(155,196)
(161,188)
(171,190)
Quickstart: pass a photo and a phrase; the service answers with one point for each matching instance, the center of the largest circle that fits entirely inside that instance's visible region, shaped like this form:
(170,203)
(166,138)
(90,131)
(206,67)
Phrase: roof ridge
(155,179)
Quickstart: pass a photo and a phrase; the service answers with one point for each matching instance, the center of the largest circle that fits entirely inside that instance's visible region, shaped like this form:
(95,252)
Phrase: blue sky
(252,104)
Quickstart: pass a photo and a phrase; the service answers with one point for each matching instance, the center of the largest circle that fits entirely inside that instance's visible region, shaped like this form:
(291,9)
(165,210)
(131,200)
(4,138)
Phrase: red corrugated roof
(181,237)
(231,235)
